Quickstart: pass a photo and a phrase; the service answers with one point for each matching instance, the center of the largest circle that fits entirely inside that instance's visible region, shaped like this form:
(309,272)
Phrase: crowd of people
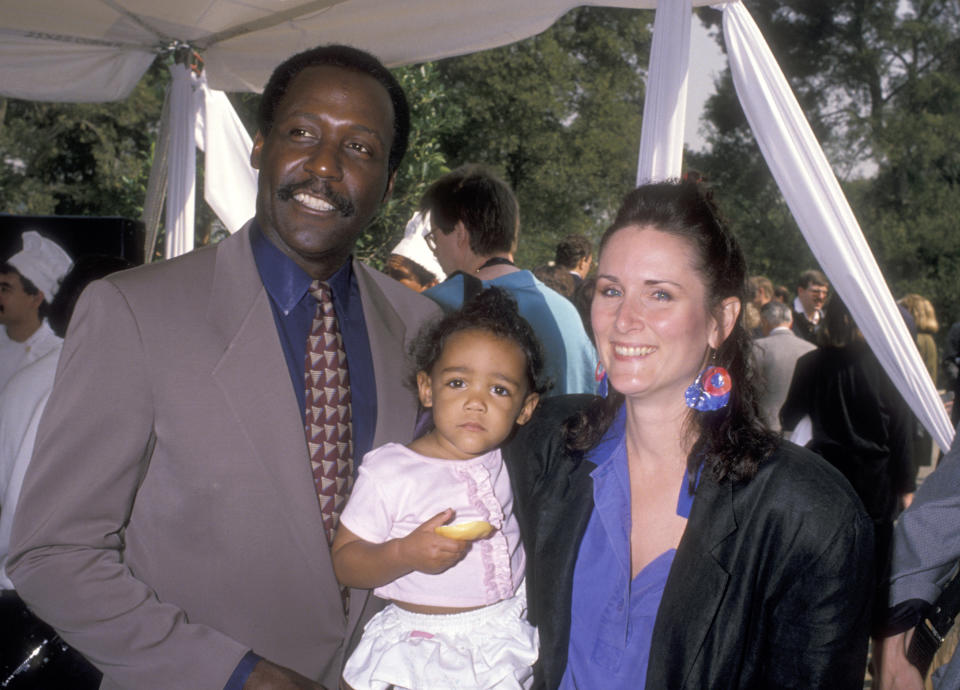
(266,465)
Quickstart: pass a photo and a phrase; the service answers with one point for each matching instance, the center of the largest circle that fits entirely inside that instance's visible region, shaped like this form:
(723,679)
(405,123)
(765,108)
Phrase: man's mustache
(343,205)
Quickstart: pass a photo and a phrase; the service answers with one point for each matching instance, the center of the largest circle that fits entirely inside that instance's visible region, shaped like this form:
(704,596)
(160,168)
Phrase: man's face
(16,306)
(447,247)
(812,297)
(323,165)
(583,266)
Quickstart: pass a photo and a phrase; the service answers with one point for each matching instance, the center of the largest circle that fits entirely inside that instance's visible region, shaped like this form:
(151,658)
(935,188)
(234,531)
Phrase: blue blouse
(612,616)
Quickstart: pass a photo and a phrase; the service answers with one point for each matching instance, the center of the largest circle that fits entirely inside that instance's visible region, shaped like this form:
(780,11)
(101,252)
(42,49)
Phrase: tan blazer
(169,522)
(777,356)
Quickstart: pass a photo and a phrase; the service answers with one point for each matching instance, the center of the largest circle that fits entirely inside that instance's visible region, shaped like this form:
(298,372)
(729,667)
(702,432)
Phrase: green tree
(80,159)
(430,119)
(879,83)
(558,115)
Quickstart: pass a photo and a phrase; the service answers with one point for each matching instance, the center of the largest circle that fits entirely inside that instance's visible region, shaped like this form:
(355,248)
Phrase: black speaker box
(78,235)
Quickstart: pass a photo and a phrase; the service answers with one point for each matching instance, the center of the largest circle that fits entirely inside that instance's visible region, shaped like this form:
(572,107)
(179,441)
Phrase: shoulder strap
(472,286)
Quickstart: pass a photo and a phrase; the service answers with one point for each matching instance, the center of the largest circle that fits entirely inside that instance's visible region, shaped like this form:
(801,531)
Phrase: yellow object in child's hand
(465,531)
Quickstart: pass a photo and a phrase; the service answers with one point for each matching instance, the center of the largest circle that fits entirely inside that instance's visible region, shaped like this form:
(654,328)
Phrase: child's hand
(426,551)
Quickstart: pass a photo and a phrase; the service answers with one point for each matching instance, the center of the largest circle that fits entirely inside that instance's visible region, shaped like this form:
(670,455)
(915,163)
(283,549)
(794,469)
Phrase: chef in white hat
(28,281)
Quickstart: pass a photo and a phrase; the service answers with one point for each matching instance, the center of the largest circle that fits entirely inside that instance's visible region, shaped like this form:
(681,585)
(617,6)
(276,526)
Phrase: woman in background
(925,317)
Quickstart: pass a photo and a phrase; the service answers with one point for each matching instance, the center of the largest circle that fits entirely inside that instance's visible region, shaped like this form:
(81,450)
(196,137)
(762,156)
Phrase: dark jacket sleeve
(819,637)
(553,499)
(901,430)
(797,403)
(771,584)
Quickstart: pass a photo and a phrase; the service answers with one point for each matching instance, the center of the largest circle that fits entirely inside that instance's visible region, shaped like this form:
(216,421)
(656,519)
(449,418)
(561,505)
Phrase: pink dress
(398,489)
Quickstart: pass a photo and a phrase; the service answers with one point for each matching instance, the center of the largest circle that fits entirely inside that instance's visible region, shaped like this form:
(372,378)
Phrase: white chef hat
(41,261)
(414,244)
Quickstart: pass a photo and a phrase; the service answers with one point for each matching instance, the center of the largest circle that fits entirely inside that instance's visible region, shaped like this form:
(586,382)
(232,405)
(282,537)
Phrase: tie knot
(321,292)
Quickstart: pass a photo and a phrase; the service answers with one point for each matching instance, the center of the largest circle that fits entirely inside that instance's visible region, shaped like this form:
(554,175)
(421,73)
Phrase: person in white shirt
(22,402)
(29,280)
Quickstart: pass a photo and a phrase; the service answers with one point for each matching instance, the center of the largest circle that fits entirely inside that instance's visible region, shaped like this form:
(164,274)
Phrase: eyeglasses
(430,238)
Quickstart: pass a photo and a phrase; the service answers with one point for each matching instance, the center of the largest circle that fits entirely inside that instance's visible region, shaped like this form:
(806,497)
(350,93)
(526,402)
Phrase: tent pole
(157,184)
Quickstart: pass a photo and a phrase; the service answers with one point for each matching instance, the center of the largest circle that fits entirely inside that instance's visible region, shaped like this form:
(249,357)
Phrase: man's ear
(529,405)
(256,151)
(461,234)
(389,190)
(424,389)
(726,318)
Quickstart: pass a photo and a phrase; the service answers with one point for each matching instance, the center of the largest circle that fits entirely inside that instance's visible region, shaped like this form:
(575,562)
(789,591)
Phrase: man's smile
(322,199)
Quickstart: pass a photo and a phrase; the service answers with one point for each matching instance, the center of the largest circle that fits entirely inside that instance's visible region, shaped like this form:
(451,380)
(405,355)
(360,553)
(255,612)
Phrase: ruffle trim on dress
(494,550)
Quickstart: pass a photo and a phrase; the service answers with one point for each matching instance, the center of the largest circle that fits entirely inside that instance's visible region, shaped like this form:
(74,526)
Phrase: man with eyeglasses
(473,232)
(812,292)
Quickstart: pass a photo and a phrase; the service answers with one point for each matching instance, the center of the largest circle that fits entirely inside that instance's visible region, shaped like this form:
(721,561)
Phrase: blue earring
(603,383)
(711,390)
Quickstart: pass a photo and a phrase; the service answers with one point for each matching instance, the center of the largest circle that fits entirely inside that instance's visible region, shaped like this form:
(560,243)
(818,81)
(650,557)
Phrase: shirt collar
(798,307)
(613,445)
(615,434)
(285,281)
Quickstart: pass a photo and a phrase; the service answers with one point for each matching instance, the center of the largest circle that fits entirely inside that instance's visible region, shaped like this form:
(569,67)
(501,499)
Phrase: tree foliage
(558,115)
(880,83)
(80,159)
(430,119)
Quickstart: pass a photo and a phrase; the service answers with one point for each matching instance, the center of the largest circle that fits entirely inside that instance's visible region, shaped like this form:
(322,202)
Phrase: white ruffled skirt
(492,647)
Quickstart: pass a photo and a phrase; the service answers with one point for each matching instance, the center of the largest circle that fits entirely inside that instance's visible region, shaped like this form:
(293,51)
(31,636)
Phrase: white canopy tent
(93,50)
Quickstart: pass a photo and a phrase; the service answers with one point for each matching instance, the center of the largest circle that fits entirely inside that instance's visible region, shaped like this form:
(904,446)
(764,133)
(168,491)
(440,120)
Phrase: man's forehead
(311,78)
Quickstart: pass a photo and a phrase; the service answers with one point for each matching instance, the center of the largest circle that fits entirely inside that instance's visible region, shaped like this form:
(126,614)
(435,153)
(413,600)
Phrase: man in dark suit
(169,526)
(812,292)
(777,354)
(575,255)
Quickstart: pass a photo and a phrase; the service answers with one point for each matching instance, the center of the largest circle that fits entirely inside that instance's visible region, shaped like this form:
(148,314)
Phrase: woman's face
(650,316)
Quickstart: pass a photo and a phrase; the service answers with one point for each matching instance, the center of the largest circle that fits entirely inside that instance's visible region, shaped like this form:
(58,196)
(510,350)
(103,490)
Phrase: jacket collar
(705,580)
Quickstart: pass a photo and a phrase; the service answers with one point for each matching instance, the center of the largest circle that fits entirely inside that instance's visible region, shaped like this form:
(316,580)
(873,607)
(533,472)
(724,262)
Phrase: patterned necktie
(328,421)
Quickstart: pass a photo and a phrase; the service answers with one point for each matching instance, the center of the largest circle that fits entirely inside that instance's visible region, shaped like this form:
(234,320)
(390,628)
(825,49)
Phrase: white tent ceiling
(95,50)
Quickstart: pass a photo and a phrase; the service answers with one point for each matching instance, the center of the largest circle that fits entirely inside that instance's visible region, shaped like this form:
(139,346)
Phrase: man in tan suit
(169,526)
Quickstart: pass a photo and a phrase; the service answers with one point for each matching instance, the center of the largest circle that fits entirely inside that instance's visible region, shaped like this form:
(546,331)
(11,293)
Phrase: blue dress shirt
(293,309)
(612,616)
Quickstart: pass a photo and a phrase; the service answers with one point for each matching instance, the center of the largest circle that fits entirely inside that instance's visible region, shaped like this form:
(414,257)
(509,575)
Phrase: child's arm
(358,563)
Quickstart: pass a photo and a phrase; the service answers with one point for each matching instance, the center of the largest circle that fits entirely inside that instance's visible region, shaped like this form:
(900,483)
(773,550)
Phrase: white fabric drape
(200,117)
(665,103)
(814,196)
(181,163)
(229,182)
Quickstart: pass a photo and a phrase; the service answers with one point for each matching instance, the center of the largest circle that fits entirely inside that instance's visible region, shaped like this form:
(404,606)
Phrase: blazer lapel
(396,409)
(256,385)
(695,587)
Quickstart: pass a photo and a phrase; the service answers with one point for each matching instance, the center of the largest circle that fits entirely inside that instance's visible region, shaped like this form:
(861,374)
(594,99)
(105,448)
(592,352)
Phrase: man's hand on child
(428,552)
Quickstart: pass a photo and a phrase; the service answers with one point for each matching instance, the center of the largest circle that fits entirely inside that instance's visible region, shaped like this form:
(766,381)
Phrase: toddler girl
(457,612)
